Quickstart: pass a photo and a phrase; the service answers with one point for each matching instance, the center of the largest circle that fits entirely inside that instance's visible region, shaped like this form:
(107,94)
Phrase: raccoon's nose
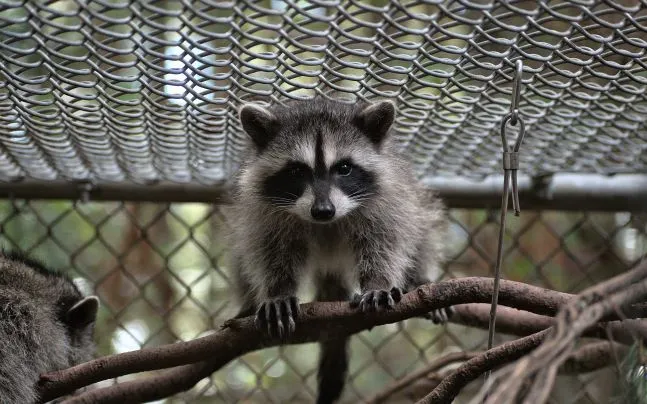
(322,211)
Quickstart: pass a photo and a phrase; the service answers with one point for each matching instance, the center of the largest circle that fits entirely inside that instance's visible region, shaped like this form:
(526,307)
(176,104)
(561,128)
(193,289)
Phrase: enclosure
(119,131)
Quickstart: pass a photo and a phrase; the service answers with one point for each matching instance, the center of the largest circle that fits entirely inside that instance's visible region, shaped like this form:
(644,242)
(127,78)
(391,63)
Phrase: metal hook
(516,92)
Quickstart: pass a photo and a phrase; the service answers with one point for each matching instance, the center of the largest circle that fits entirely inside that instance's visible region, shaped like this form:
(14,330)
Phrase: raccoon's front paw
(277,316)
(439,316)
(373,300)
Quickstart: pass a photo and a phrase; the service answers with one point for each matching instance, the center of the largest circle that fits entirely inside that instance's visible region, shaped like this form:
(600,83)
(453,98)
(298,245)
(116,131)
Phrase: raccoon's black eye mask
(298,170)
(287,185)
(353,179)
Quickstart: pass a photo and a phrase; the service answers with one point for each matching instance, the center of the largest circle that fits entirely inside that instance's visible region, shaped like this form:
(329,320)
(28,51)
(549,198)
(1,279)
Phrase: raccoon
(46,324)
(323,191)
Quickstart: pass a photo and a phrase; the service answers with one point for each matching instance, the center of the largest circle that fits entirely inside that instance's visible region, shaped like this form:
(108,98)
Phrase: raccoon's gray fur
(324,191)
(45,325)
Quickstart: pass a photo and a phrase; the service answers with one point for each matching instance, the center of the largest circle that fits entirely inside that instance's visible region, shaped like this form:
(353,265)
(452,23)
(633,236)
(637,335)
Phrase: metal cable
(510,168)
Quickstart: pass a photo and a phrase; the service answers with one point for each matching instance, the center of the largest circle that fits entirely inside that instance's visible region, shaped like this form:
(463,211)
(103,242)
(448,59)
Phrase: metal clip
(14,206)
(511,154)
(85,187)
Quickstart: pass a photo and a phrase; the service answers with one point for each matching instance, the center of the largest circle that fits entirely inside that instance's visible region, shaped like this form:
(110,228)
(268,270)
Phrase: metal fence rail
(161,273)
(622,192)
(139,91)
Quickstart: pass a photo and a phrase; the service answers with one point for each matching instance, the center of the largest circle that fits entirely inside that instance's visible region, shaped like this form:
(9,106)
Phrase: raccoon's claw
(397,293)
(374,300)
(439,316)
(277,316)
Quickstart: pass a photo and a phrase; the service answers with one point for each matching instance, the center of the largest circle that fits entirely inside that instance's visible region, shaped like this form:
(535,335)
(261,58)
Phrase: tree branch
(163,385)
(318,321)
(589,358)
(522,323)
(237,337)
(420,387)
(178,380)
(449,388)
(540,367)
(594,356)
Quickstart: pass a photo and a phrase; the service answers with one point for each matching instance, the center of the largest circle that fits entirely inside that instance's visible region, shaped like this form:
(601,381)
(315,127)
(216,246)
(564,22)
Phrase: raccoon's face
(319,161)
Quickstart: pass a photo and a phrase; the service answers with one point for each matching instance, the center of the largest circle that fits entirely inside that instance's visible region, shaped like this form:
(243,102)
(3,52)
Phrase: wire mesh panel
(161,273)
(148,90)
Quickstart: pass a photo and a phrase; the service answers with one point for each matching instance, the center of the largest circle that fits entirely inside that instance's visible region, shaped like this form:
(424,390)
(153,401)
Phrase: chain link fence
(161,273)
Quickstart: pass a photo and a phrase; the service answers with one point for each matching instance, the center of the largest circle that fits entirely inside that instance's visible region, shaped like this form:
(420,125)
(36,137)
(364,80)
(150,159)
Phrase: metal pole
(592,192)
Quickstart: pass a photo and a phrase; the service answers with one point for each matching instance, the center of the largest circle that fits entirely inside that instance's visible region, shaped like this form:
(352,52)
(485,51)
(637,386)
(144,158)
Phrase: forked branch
(538,370)
(589,358)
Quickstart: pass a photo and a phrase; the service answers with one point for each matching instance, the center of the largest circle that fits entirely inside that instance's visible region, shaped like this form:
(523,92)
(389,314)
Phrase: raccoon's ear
(259,123)
(376,120)
(83,312)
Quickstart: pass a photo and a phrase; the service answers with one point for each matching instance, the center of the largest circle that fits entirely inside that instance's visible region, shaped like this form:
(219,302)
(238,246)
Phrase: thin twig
(421,387)
(449,388)
(421,373)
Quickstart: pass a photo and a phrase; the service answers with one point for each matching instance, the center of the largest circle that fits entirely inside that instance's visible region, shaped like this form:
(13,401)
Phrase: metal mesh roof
(141,91)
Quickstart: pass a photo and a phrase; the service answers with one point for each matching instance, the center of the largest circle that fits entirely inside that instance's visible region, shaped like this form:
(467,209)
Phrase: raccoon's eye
(297,171)
(344,169)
